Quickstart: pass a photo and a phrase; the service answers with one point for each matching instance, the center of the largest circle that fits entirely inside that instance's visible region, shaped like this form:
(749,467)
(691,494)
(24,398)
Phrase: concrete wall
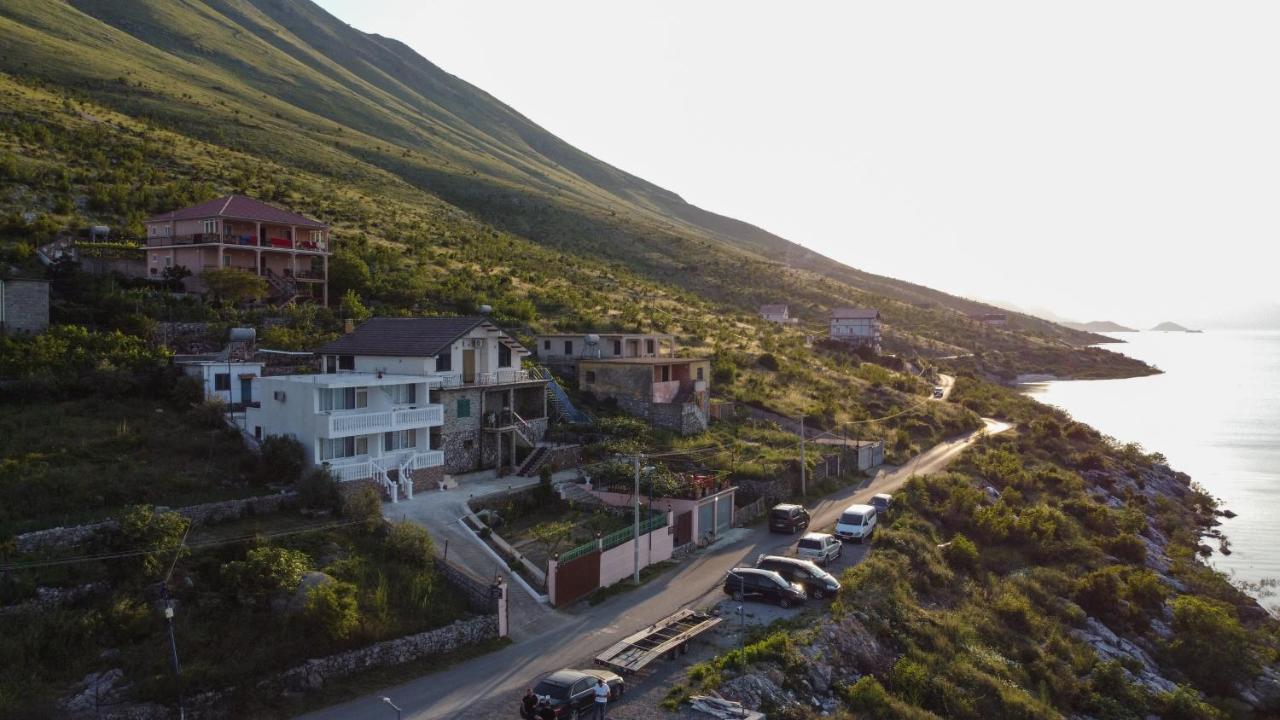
(619,562)
(24,307)
(678,506)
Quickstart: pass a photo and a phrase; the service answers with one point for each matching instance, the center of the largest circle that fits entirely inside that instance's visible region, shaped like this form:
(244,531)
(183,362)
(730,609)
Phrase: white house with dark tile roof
(776,313)
(859,327)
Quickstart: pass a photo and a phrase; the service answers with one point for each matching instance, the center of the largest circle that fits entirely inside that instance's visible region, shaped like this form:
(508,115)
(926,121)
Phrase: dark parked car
(764,585)
(788,518)
(882,503)
(572,692)
(817,582)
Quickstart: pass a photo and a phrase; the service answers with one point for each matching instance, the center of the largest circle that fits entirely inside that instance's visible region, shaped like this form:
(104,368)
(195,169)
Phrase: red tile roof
(239,207)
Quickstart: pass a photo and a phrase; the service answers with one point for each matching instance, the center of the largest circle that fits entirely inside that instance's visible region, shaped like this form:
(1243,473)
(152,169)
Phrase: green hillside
(451,198)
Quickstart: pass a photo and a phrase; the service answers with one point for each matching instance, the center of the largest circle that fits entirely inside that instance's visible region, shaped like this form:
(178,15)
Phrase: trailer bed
(665,636)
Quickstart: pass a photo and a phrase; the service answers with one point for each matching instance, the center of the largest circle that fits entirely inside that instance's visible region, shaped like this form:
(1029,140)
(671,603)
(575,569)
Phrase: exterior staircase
(534,462)
(560,402)
(284,290)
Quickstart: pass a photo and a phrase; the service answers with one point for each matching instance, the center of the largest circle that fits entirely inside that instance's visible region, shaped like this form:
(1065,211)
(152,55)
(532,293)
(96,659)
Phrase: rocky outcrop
(1110,646)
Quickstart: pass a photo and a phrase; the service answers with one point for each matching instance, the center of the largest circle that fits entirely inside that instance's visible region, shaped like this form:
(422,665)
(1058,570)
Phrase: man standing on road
(602,699)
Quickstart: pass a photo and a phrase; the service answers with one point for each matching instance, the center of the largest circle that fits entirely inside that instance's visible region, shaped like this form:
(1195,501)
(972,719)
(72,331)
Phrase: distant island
(1173,327)
(1099,326)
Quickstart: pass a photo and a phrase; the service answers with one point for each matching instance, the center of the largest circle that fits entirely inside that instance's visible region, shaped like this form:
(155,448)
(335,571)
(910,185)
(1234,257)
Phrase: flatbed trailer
(669,635)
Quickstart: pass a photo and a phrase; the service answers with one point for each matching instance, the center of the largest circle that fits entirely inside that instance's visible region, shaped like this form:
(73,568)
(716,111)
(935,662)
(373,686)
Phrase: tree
(233,285)
(281,460)
(156,534)
(318,490)
(333,609)
(1209,644)
(351,307)
(552,534)
(264,572)
(364,504)
(174,275)
(411,543)
(347,272)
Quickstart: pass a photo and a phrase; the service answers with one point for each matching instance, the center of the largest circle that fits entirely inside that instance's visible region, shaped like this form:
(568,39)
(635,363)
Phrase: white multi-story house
(363,426)
(859,327)
(494,410)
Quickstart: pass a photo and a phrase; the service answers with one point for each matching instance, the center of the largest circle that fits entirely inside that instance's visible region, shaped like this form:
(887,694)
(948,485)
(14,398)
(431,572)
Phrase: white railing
(364,423)
(351,471)
(448,379)
(424,460)
(502,377)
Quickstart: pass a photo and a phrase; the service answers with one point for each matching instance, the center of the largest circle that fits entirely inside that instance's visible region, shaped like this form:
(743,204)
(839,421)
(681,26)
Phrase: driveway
(491,685)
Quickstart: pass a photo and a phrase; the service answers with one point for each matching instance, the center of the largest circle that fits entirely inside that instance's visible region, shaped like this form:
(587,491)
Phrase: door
(468,366)
(684,528)
(246,390)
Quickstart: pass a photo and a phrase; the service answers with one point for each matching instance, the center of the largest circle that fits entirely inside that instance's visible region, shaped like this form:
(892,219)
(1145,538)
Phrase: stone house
(24,306)
(494,412)
(671,393)
(562,351)
(776,313)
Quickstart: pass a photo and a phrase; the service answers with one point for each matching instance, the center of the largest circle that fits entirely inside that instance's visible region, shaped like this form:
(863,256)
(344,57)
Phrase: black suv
(817,582)
(572,693)
(788,518)
(765,585)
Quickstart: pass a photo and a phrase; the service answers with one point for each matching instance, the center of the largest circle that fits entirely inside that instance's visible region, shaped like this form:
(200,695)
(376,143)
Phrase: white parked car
(821,548)
(857,522)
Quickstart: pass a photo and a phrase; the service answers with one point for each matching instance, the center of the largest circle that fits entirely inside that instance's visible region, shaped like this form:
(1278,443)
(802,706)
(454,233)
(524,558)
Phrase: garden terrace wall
(477,591)
(203,514)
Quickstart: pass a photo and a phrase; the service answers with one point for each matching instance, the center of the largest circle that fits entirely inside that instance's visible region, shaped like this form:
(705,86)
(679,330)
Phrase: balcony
(349,423)
(243,240)
(366,467)
(500,377)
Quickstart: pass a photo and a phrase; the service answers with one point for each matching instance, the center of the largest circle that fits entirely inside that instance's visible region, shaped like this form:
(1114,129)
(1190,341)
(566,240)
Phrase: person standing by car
(546,712)
(529,705)
(602,699)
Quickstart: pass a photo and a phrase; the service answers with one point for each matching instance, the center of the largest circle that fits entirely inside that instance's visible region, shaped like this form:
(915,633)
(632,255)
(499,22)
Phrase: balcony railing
(500,377)
(347,471)
(247,240)
(364,423)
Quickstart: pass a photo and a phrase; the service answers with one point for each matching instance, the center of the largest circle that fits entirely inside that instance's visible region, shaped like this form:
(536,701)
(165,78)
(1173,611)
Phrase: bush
(411,543)
(264,572)
(768,362)
(1185,704)
(364,504)
(332,609)
(1209,644)
(961,553)
(159,534)
(186,392)
(1128,548)
(318,490)
(282,460)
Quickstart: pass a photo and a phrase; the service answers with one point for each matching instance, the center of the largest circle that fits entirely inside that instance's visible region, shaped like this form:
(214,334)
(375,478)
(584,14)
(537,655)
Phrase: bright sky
(1102,160)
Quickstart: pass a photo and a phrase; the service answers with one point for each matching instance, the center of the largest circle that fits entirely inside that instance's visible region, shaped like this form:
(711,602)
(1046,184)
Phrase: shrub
(411,543)
(364,505)
(1185,704)
(768,362)
(159,535)
(282,459)
(332,609)
(264,572)
(1209,644)
(318,490)
(961,553)
(1128,548)
(186,392)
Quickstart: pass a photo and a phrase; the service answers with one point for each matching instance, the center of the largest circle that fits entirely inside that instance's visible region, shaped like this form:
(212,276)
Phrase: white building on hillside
(776,313)
(372,427)
(859,327)
(230,381)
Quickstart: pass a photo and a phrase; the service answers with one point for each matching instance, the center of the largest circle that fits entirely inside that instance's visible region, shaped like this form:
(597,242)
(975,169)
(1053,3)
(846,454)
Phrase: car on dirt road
(745,583)
(788,518)
(572,692)
(817,582)
(939,392)
(882,502)
(820,548)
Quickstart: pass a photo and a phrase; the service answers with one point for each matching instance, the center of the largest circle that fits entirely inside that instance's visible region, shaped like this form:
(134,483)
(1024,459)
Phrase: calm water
(1215,413)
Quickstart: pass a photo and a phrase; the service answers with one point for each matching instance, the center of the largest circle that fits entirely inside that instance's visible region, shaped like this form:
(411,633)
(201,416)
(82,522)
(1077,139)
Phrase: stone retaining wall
(313,674)
(563,457)
(476,589)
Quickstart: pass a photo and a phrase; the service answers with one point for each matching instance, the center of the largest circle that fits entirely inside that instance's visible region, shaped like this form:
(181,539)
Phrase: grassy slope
(367,120)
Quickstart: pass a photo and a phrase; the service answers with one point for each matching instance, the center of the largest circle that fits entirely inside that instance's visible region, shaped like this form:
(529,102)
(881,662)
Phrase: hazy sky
(1114,159)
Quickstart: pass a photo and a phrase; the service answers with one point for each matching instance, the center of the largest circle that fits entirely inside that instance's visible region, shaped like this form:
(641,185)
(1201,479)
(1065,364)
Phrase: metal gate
(684,528)
(577,578)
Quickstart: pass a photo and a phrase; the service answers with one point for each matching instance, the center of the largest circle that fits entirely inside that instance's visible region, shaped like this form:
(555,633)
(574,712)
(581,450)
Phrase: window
(464,407)
(666,373)
(617,348)
(210,227)
(222,381)
(346,362)
(591,376)
(568,347)
(404,394)
(399,440)
(468,444)
(257,432)
(168,262)
(331,363)
(546,345)
(648,346)
(351,398)
(444,363)
(343,447)
(504,356)
(699,375)
(226,261)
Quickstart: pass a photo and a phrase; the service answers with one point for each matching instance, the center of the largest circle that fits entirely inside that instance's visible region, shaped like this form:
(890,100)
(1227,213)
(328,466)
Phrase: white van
(857,522)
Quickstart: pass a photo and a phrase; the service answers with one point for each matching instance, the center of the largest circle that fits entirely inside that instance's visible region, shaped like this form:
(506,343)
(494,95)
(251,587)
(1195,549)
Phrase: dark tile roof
(239,207)
(405,337)
(847,313)
(772,309)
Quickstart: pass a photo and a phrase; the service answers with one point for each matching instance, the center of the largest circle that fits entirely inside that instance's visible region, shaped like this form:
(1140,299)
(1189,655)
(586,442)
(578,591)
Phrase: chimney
(348,326)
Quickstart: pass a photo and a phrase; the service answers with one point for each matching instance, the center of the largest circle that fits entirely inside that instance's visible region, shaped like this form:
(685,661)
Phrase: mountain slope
(285,82)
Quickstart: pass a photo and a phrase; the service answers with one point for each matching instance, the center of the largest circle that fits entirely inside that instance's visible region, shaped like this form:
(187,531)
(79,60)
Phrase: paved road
(490,686)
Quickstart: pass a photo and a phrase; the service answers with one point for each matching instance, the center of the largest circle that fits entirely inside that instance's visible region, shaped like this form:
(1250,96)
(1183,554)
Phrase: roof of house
(847,313)
(410,337)
(238,207)
(773,309)
(641,360)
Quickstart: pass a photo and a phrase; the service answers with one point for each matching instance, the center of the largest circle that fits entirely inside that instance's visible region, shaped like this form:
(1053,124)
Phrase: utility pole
(803,490)
(636,540)
(173,646)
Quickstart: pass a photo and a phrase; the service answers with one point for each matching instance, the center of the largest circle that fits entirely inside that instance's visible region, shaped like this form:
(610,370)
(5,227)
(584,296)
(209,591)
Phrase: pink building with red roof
(288,250)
